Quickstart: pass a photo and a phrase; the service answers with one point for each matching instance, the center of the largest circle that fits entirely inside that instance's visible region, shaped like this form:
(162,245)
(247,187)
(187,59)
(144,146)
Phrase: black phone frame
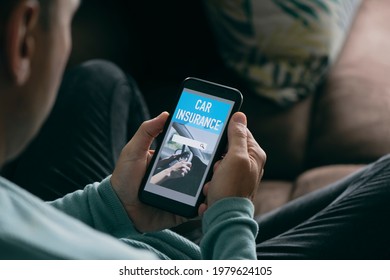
(207,87)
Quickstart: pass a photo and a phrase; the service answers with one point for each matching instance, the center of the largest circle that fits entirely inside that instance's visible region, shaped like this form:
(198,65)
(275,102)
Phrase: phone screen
(189,146)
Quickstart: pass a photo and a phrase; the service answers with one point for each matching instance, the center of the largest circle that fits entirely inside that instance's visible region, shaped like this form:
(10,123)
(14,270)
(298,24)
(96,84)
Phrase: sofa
(341,126)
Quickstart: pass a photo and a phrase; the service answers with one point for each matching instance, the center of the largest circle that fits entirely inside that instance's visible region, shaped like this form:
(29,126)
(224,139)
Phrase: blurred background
(158,43)
(316,88)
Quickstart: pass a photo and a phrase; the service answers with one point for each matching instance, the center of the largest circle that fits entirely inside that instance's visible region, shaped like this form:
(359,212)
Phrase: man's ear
(20,40)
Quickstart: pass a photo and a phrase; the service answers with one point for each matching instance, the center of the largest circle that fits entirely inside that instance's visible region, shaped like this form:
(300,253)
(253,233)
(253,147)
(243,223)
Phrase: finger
(256,151)
(237,134)
(150,156)
(206,189)
(186,168)
(216,165)
(202,208)
(147,132)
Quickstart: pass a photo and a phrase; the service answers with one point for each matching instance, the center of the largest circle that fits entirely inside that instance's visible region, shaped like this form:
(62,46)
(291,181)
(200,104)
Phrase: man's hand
(239,173)
(129,171)
(178,170)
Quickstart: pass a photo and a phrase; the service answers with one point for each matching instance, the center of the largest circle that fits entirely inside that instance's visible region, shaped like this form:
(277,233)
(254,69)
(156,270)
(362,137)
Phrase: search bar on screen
(189,142)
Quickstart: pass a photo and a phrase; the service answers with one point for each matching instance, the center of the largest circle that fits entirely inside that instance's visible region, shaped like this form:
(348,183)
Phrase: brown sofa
(337,130)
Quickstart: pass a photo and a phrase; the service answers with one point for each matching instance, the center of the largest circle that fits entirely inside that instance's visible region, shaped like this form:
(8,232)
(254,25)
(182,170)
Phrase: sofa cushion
(281,132)
(351,118)
(317,178)
(281,48)
(271,195)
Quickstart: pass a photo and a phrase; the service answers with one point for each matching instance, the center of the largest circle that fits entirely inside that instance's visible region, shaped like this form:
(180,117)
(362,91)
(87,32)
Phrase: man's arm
(230,230)
(98,206)
(229,227)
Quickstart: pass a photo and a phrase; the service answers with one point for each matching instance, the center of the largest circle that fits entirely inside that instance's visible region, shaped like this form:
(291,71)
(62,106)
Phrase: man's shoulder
(14,199)
(33,229)
(17,212)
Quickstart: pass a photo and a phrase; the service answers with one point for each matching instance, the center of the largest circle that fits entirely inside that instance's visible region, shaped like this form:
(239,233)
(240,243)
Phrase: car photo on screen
(186,144)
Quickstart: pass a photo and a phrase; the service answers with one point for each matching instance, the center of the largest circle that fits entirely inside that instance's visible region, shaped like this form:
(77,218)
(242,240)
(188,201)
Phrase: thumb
(238,134)
(146,133)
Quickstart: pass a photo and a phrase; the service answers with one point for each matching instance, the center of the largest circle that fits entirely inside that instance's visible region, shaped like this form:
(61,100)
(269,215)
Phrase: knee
(385,158)
(96,76)
(100,72)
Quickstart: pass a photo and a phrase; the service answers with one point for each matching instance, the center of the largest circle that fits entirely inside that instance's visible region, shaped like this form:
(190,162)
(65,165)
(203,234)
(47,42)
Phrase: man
(35,44)
(346,220)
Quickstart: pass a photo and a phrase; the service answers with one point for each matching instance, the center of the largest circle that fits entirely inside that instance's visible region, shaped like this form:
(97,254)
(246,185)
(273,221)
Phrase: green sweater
(92,224)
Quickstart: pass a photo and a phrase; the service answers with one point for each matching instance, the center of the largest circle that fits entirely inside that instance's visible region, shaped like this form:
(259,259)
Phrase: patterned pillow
(281,48)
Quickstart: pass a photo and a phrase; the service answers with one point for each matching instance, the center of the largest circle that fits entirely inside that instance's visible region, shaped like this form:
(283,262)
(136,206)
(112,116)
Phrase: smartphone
(193,139)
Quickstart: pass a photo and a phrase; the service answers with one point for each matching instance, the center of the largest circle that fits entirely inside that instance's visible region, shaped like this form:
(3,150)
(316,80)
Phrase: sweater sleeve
(229,230)
(228,226)
(98,206)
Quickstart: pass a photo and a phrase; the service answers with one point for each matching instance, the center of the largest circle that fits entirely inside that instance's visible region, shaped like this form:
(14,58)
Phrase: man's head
(35,43)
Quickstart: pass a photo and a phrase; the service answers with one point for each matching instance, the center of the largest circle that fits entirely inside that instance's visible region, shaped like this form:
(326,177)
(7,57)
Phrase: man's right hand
(239,173)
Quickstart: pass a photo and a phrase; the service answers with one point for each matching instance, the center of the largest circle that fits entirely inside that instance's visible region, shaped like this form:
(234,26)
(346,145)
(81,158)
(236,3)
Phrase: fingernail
(162,113)
(239,118)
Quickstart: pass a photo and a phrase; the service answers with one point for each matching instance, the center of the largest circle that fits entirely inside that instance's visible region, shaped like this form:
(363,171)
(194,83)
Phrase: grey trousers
(349,219)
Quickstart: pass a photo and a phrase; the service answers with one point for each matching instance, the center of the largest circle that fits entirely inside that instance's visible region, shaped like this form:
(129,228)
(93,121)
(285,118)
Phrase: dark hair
(6,7)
